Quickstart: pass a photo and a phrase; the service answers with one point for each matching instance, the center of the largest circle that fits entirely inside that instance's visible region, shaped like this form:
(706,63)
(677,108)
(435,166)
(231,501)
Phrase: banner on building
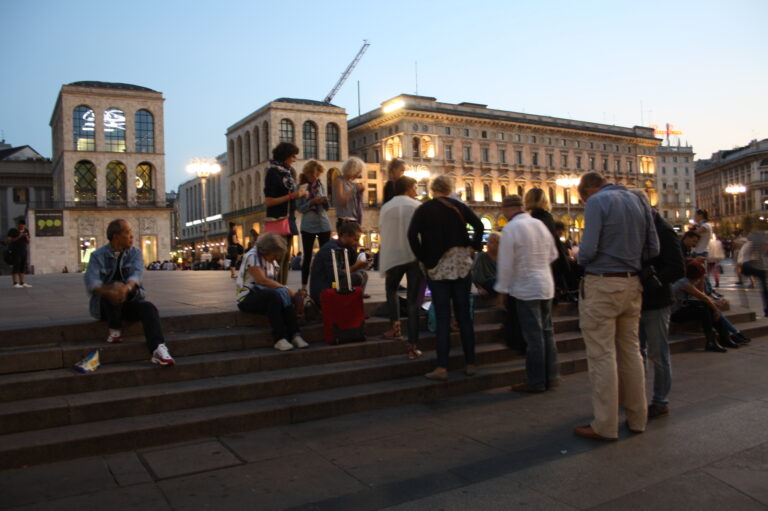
(49,222)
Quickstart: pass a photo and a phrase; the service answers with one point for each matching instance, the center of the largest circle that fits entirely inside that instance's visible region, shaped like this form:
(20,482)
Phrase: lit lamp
(204,168)
(566,183)
(735,190)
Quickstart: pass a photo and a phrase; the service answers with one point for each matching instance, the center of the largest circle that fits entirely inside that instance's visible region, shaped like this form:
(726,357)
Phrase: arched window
(145,184)
(232,195)
(84,128)
(520,190)
(332,142)
(330,178)
(144,131)
(427,147)
(256,146)
(389,150)
(470,193)
(116,183)
(85,181)
(241,194)
(416,143)
(551,195)
(114,130)
(257,189)
(503,192)
(231,157)
(247,150)
(487,192)
(265,136)
(248,202)
(286,131)
(239,153)
(309,134)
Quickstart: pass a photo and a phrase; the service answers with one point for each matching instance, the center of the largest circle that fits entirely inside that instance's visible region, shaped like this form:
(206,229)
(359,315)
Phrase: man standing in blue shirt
(618,235)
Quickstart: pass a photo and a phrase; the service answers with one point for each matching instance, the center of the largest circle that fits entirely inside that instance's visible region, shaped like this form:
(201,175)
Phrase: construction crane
(347,72)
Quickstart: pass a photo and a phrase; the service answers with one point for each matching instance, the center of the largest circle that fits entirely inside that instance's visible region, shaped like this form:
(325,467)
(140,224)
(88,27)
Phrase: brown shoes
(439,374)
(588,432)
(470,370)
(524,387)
(655,411)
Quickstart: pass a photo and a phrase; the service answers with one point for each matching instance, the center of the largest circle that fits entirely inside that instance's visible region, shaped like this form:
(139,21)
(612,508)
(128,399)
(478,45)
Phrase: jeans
(694,310)
(271,302)
(307,244)
(541,365)
(416,282)
(443,293)
(752,269)
(136,310)
(654,339)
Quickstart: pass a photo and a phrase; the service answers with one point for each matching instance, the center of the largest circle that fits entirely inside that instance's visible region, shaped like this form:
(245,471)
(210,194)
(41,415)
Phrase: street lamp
(735,190)
(204,168)
(566,183)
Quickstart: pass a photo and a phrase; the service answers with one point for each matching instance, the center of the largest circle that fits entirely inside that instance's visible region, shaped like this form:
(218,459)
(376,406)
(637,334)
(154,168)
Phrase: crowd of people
(631,275)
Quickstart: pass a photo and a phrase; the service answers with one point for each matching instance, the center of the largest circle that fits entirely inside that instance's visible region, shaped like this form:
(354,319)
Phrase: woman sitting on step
(691,304)
(259,293)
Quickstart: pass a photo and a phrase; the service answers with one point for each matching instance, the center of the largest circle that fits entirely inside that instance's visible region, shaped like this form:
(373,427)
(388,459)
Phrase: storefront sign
(49,222)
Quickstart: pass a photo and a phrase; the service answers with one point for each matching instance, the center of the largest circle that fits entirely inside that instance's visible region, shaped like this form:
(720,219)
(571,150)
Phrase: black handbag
(649,279)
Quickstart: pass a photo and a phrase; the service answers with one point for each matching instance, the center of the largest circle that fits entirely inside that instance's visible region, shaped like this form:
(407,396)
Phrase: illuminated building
(677,184)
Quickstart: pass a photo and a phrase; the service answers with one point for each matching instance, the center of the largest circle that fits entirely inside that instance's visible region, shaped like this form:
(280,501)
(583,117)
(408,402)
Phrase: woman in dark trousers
(314,219)
(280,194)
(233,250)
(439,239)
(537,204)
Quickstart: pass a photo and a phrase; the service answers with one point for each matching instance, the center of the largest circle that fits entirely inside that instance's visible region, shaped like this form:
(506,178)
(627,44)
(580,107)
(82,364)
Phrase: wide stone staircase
(227,379)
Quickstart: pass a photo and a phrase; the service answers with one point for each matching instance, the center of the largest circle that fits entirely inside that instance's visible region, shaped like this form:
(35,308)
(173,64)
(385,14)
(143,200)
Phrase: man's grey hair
(271,244)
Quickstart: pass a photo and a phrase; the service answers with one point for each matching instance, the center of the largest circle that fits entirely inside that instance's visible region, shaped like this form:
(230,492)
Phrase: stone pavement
(489,450)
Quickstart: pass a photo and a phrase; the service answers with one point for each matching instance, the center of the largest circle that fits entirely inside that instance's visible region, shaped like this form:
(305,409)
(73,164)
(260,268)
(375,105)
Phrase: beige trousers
(609,315)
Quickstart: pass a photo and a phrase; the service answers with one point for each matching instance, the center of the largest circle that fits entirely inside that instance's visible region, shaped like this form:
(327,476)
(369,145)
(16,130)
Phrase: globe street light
(566,183)
(735,190)
(204,168)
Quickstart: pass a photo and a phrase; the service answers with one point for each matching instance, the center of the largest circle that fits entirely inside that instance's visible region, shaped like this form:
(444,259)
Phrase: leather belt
(623,274)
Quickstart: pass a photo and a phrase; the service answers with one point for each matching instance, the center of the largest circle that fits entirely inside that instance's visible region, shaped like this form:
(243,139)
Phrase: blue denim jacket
(101,271)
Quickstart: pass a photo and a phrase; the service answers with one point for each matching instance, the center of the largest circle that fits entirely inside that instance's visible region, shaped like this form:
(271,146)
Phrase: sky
(699,65)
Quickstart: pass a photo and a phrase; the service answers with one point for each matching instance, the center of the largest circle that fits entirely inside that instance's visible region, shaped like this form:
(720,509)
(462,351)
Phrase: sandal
(414,352)
(395,334)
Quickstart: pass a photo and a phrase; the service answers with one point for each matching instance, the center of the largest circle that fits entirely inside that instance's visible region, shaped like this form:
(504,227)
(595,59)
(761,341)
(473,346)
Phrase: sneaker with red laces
(161,356)
(114,338)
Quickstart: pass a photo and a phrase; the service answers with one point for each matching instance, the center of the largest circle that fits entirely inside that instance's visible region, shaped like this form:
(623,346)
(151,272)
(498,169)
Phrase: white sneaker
(283,345)
(18,286)
(299,342)
(114,337)
(161,356)
(24,284)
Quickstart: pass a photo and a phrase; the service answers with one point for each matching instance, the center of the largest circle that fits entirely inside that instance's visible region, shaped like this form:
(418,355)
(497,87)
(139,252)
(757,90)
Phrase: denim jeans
(541,365)
(443,293)
(416,283)
(282,318)
(654,340)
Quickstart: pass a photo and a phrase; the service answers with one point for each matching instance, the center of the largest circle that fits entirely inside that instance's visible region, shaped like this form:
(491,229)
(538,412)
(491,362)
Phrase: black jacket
(561,265)
(669,264)
(435,228)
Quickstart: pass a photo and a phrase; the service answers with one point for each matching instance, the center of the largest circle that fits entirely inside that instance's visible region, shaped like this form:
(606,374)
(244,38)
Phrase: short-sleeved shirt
(245,281)
(706,236)
(678,295)
(20,245)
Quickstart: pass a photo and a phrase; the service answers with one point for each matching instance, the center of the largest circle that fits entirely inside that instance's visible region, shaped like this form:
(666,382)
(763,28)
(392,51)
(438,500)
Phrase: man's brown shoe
(657,411)
(439,374)
(524,387)
(588,432)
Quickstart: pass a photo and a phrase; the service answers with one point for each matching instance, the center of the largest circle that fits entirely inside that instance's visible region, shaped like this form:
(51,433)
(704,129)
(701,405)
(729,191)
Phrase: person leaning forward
(618,234)
(113,279)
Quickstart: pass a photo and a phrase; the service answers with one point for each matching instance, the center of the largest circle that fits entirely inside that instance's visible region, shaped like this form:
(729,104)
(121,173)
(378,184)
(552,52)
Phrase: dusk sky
(700,65)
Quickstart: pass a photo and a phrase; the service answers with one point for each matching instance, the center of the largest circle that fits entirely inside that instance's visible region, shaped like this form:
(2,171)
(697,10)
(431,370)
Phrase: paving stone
(141,498)
(264,444)
(695,490)
(54,481)
(189,459)
(746,471)
(273,484)
(127,469)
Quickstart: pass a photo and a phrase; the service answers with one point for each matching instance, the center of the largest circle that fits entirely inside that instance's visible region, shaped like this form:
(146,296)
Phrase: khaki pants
(609,313)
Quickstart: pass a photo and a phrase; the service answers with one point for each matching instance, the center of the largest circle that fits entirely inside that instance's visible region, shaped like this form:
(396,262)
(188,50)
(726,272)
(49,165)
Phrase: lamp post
(735,190)
(204,168)
(566,183)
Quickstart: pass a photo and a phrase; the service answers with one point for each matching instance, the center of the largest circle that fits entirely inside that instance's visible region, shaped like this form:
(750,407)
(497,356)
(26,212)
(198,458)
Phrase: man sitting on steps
(113,279)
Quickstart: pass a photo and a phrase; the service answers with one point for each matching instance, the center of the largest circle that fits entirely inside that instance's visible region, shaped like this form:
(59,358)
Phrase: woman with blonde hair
(439,240)
(348,194)
(395,170)
(537,204)
(314,219)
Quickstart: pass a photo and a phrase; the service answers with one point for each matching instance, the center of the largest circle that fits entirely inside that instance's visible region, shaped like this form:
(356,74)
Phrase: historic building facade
(25,176)
(733,184)
(318,129)
(492,153)
(676,183)
(190,214)
(108,162)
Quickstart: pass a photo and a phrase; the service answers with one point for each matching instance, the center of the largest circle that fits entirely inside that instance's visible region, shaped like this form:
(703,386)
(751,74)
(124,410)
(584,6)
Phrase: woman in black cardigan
(439,239)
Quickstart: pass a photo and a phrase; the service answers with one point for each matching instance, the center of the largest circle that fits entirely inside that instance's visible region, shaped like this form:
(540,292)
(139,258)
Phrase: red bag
(343,314)
(280,226)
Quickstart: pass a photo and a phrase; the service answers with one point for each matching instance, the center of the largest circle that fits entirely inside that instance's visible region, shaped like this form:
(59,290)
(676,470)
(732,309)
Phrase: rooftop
(111,85)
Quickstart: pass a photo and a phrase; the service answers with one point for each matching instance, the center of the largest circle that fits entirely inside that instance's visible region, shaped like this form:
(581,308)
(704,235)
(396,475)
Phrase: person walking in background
(668,266)
(753,263)
(537,204)
(17,241)
(439,239)
(259,293)
(525,275)
(280,194)
(113,279)
(348,193)
(314,219)
(397,259)
(395,170)
(618,234)
(234,250)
